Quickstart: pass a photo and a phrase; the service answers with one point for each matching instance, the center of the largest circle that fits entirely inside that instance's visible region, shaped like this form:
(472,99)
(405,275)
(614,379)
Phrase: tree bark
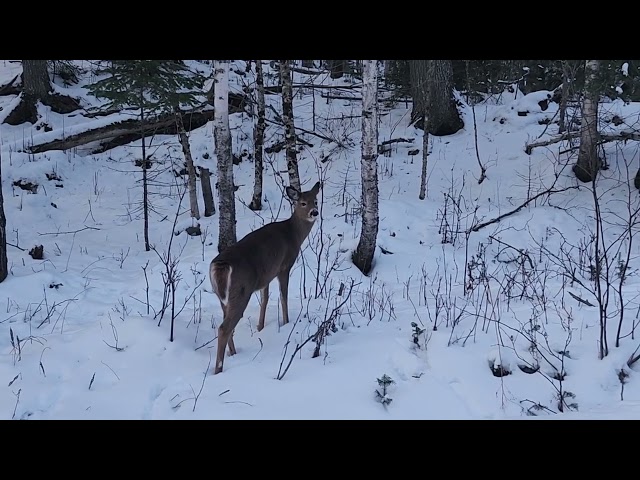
(363,256)
(222,135)
(336,68)
(145,186)
(35,79)
(289,128)
(418,76)
(588,164)
(191,170)
(425,153)
(36,86)
(3,233)
(444,117)
(563,100)
(207,192)
(258,141)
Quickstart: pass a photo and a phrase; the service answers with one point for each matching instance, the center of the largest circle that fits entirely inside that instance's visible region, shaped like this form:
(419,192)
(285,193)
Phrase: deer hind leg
(264,298)
(283,280)
(233,312)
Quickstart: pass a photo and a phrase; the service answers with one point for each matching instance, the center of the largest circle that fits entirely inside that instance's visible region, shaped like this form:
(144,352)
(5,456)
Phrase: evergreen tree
(152,86)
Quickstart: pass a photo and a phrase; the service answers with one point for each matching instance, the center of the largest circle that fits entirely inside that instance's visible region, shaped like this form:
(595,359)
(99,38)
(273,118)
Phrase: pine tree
(152,86)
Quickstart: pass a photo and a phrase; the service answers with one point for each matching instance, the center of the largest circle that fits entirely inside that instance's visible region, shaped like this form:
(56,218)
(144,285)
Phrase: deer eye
(304,204)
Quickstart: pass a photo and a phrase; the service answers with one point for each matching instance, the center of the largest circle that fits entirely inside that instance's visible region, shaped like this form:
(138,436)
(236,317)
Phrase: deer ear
(316,188)
(293,194)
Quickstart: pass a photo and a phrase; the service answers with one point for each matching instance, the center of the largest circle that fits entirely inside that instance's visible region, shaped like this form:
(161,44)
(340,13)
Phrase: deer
(253,262)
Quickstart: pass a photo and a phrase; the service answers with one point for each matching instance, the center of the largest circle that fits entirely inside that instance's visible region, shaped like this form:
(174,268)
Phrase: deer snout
(314,213)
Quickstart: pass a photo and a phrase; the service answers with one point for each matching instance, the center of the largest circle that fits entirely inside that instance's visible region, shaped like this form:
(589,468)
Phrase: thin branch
(64,233)
(516,210)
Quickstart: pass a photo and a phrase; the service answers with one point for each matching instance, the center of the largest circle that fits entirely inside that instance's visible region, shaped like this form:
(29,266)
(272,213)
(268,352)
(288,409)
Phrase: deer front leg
(283,280)
(264,298)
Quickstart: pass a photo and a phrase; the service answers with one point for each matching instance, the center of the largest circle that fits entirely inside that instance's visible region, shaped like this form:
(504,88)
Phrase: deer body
(252,263)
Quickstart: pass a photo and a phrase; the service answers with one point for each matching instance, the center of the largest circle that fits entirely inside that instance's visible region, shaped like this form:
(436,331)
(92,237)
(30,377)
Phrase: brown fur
(254,261)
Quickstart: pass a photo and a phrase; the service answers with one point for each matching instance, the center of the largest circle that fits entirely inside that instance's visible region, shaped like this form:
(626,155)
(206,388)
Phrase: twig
(110,369)
(516,210)
(16,246)
(581,300)
(204,378)
(64,233)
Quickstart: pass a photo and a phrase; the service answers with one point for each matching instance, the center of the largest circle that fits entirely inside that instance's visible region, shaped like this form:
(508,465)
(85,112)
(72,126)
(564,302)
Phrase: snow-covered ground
(76,340)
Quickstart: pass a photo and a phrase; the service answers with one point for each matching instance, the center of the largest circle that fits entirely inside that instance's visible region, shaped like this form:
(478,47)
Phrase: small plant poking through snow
(416,333)
(385,382)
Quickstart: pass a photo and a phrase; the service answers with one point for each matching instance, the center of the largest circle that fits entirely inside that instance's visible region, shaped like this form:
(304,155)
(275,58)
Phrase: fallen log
(604,138)
(125,131)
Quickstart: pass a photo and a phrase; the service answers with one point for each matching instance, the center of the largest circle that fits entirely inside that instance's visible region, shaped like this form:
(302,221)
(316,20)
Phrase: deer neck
(301,228)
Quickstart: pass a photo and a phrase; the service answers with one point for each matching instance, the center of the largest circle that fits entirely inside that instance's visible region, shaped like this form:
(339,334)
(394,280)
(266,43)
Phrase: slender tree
(3,233)
(191,170)
(207,192)
(363,256)
(588,164)
(222,135)
(258,140)
(152,86)
(289,127)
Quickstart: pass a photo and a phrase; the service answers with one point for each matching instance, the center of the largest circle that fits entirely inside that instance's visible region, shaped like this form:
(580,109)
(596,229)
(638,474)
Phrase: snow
(88,348)
(625,69)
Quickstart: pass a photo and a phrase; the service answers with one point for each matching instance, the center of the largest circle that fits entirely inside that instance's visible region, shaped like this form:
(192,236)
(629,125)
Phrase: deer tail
(220,274)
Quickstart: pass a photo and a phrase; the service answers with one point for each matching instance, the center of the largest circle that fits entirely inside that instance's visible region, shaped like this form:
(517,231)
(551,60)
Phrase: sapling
(385,382)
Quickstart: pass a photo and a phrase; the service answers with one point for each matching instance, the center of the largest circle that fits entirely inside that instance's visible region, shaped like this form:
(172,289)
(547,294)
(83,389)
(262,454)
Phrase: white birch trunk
(363,256)
(587,165)
(222,136)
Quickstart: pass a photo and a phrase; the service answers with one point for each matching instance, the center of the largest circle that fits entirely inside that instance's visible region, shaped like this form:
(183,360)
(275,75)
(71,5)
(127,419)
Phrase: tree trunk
(35,79)
(222,135)
(258,141)
(191,170)
(444,117)
(563,100)
(3,233)
(36,86)
(588,164)
(336,68)
(425,153)
(145,186)
(289,128)
(308,64)
(418,77)
(207,192)
(363,256)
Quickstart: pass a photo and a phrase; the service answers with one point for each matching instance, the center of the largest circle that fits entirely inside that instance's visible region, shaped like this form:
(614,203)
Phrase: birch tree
(222,135)
(289,126)
(363,256)
(588,164)
(258,140)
